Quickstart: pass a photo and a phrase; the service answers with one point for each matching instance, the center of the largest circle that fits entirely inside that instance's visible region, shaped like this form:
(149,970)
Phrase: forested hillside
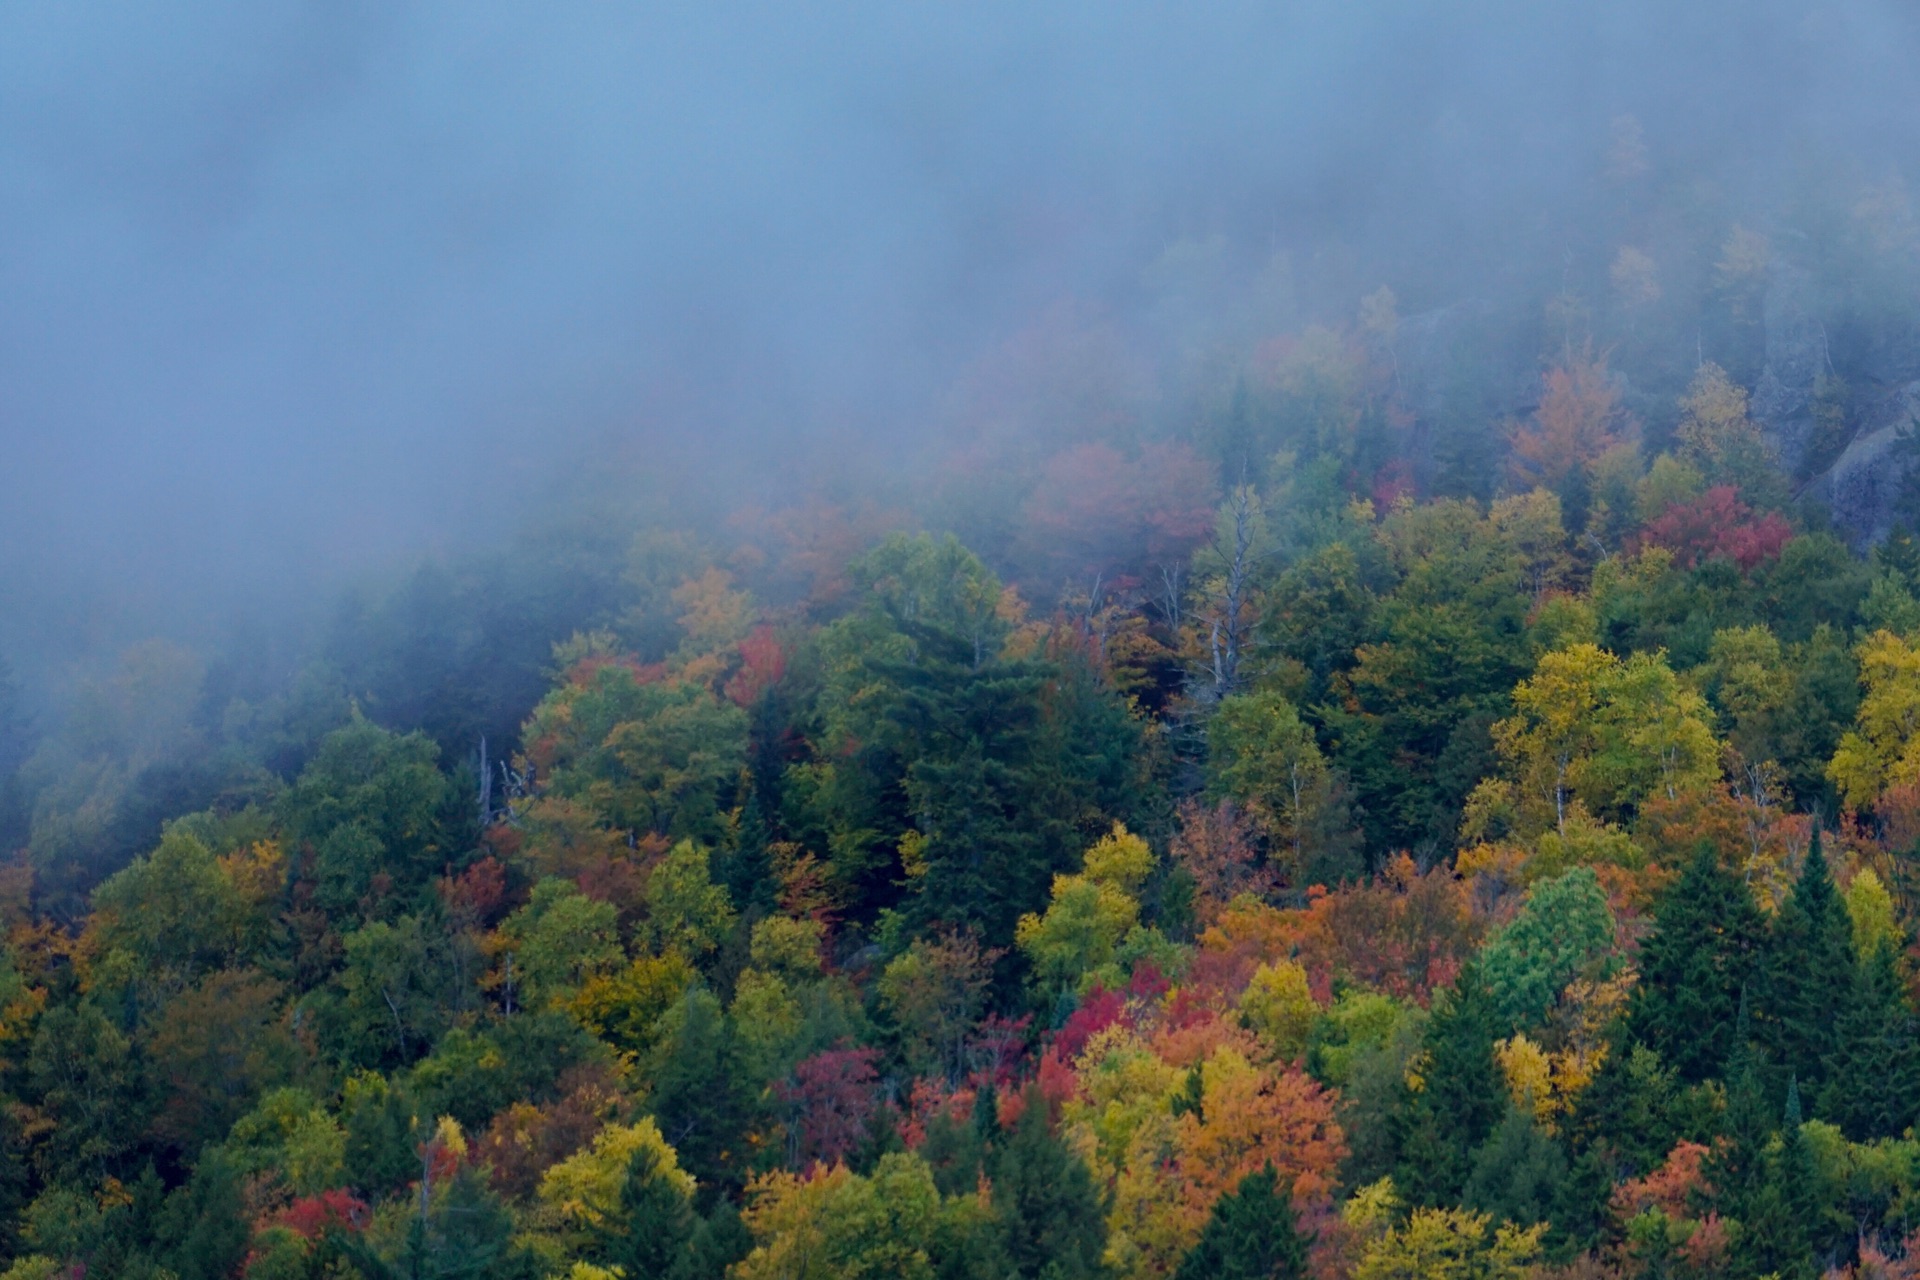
(1433,791)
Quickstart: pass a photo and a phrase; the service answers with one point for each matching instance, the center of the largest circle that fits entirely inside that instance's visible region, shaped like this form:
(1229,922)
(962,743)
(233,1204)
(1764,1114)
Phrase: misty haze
(963,642)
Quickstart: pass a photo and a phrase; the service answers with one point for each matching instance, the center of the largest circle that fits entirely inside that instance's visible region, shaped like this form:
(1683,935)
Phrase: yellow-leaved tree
(1883,747)
(1077,941)
(1592,737)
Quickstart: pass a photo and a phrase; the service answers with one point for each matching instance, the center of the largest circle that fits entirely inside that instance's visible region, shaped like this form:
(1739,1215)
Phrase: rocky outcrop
(1797,355)
(1864,486)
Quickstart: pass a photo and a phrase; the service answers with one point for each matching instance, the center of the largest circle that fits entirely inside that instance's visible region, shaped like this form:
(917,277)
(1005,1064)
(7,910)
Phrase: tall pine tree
(1250,1235)
(1050,1214)
(1873,1076)
(1778,1221)
(650,1233)
(1457,1098)
(1705,948)
(1809,974)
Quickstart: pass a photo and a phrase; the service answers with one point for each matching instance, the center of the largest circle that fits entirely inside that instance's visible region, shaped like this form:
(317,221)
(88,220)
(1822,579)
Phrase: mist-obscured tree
(1578,419)
(1717,436)
(659,756)
(369,804)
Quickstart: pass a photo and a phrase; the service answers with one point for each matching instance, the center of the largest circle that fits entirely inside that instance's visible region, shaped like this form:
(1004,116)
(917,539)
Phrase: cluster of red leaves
(1675,1188)
(1718,525)
(830,1100)
(1877,1263)
(1392,482)
(995,1049)
(762,664)
(1218,847)
(1404,933)
(313,1216)
(1095,510)
(477,897)
(581,673)
(930,1098)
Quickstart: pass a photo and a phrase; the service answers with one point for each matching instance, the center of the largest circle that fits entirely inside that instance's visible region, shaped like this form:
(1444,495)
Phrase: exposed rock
(1797,354)
(1865,483)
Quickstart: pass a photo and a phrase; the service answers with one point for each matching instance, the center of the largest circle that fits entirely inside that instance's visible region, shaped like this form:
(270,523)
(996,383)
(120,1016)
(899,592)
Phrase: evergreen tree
(1779,1220)
(15,1179)
(1517,1172)
(1737,1167)
(1250,1235)
(1623,1123)
(955,1149)
(650,1234)
(719,1241)
(206,1221)
(1051,1220)
(1458,1099)
(699,1095)
(1873,1077)
(1704,949)
(1809,974)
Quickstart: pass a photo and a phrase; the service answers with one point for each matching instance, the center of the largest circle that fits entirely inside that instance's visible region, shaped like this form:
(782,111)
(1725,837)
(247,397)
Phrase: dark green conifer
(1779,1219)
(1737,1168)
(1460,1098)
(1051,1220)
(1809,974)
(1250,1235)
(1873,1078)
(654,1225)
(1517,1173)
(1704,949)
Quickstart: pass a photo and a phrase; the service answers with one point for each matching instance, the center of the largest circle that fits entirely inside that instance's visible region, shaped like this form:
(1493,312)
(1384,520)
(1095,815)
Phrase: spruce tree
(1051,1220)
(1873,1077)
(1736,1168)
(1809,974)
(651,1231)
(1704,949)
(719,1241)
(1250,1235)
(1518,1172)
(1777,1225)
(1458,1099)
